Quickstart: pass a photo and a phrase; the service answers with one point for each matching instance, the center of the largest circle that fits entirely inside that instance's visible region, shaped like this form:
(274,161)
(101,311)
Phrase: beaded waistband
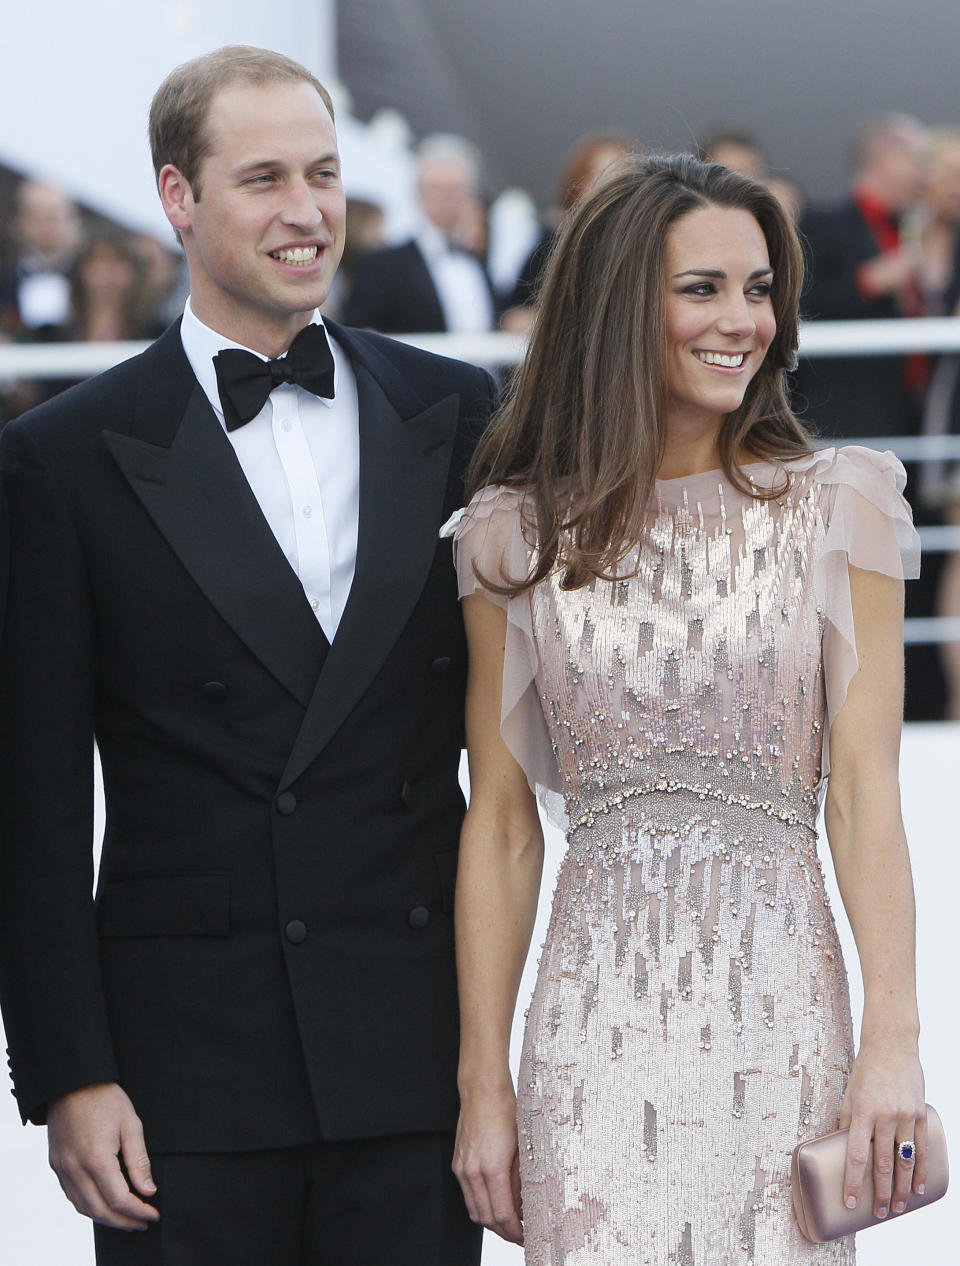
(585,807)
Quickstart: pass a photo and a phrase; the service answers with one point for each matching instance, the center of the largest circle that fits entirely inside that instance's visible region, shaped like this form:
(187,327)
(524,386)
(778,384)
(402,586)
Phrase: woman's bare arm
(885,1096)
(498,881)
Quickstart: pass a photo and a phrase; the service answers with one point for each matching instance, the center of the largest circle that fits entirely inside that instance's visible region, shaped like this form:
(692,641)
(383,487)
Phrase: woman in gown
(679,617)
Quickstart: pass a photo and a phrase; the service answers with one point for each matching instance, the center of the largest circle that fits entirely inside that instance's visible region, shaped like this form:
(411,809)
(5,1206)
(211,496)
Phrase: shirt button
(286,425)
(307,511)
(315,603)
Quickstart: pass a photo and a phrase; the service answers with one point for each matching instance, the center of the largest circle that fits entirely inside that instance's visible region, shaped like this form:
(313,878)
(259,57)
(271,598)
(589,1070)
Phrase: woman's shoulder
(506,507)
(493,536)
(493,497)
(869,471)
(868,519)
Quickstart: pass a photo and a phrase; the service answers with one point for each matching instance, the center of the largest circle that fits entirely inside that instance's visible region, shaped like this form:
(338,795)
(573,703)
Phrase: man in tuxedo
(46,236)
(434,282)
(226,563)
(859,268)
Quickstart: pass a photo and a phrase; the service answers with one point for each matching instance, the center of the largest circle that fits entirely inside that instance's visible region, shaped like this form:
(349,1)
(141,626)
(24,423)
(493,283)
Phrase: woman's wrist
(903,1036)
(485,1082)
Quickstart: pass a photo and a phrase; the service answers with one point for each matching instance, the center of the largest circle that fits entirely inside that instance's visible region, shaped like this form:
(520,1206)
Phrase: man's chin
(295,302)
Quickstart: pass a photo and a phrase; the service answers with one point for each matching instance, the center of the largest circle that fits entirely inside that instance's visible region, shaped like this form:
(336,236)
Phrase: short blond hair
(181,105)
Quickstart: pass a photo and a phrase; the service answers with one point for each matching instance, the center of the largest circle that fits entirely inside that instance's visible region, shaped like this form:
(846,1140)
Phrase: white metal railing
(880,338)
(918,631)
(817,339)
(62,360)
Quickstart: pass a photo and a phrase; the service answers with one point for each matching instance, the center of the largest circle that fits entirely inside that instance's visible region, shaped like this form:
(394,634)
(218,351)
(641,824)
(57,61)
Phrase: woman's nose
(737,319)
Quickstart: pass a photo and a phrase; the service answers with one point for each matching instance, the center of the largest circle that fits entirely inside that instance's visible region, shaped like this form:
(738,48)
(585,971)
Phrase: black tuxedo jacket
(392,291)
(848,396)
(269,959)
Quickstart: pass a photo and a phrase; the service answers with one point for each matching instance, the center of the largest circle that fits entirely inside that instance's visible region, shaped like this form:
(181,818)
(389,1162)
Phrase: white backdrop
(38,1228)
(73,108)
(74,98)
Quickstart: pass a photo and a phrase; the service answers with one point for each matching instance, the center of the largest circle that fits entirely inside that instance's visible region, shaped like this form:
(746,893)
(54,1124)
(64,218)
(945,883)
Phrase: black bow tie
(244,381)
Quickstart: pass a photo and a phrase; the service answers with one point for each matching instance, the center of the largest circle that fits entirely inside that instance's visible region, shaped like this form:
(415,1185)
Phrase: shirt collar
(201,344)
(433,245)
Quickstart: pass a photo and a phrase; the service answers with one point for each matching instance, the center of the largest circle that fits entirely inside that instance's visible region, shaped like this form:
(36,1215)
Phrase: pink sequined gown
(691,1017)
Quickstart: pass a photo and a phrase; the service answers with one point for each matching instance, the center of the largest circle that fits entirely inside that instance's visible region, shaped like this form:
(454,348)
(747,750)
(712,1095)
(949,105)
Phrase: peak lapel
(195,491)
(404,465)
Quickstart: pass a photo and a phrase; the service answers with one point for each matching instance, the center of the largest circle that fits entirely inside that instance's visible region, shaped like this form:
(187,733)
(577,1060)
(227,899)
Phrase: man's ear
(176,197)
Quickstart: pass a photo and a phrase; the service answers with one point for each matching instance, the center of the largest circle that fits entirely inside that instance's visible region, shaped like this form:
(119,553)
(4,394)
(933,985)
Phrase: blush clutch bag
(817,1173)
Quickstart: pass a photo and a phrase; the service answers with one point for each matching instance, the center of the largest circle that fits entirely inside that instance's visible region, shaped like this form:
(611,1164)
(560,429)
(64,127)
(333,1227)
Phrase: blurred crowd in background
(890,248)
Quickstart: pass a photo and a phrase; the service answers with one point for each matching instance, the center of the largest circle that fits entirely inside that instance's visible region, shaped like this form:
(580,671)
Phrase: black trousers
(372,1202)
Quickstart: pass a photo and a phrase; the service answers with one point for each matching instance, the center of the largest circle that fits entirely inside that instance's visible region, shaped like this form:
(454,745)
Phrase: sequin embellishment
(691,1015)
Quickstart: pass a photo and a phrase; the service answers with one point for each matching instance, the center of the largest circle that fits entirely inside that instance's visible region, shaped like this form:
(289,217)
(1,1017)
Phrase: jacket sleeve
(50,984)
(832,292)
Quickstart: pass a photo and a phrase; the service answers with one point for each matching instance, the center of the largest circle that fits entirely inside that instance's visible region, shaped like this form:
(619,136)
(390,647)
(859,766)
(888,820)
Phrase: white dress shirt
(301,458)
(460,282)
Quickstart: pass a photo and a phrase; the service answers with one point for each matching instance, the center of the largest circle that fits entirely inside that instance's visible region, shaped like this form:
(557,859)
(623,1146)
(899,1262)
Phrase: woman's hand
(885,1102)
(485,1161)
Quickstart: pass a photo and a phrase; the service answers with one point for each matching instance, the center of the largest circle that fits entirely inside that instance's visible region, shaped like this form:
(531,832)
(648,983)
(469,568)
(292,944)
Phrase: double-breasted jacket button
(295,932)
(418,917)
(440,665)
(286,803)
(406,794)
(214,691)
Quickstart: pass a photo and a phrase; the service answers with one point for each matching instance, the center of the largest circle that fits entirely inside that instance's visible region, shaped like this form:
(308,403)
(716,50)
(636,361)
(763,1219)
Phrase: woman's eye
(701,288)
(761,291)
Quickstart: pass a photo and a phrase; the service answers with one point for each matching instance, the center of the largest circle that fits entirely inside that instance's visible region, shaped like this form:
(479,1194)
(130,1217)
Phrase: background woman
(582,168)
(939,237)
(679,618)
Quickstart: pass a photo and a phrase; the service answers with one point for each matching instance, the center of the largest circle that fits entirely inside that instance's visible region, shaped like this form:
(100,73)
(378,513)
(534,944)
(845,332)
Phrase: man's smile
(296,254)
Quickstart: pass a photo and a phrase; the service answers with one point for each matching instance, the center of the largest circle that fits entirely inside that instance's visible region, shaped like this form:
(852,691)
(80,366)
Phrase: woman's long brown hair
(582,428)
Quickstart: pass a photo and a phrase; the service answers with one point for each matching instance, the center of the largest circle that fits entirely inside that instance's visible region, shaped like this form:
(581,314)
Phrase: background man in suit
(46,237)
(435,282)
(864,263)
(226,563)
(861,267)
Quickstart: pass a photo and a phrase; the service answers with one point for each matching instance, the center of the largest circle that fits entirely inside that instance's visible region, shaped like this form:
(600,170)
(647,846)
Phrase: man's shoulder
(428,372)
(389,263)
(103,402)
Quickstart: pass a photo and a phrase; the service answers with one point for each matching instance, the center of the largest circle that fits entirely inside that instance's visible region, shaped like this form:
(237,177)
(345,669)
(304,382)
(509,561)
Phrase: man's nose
(300,206)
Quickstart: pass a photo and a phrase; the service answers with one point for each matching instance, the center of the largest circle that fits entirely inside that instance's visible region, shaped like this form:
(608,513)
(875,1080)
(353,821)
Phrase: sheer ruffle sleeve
(869,524)
(495,537)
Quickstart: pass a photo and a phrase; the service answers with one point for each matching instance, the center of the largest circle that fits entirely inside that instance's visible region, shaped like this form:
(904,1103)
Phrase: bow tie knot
(244,381)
